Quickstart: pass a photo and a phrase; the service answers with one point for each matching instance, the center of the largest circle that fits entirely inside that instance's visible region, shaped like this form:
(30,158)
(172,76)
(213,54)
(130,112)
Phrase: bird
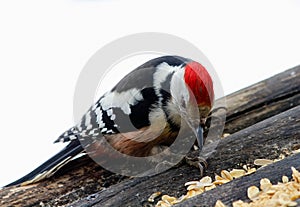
(140,116)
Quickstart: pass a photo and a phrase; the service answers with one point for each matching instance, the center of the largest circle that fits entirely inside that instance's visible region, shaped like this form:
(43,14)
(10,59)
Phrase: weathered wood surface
(262,140)
(237,189)
(83,177)
(61,189)
(262,100)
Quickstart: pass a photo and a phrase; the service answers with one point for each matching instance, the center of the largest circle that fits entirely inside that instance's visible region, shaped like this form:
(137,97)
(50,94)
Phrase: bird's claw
(198,162)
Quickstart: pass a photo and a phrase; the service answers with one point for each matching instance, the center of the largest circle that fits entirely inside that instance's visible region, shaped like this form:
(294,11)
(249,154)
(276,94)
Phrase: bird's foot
(198,162)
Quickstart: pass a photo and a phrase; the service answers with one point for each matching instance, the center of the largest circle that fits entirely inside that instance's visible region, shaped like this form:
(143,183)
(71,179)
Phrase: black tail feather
(51,165)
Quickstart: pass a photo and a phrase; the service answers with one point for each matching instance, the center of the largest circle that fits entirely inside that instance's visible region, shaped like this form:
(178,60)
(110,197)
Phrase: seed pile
(205,184)
(282,194)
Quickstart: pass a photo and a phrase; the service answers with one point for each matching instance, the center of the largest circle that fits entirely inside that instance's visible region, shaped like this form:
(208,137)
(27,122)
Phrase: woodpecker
(140,114)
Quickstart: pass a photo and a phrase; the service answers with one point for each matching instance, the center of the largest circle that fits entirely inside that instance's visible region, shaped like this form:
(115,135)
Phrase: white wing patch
(121,100)
(99,117)
(88,121)
(162,72)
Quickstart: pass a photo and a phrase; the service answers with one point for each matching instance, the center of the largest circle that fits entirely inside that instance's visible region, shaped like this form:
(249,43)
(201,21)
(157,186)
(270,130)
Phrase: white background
(45,44)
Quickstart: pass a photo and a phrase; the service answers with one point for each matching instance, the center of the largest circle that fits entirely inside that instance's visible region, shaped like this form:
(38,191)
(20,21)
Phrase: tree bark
(262,100)
(237,189)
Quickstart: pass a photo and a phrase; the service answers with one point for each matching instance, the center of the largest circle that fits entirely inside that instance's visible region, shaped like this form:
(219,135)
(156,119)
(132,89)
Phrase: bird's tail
(51,166)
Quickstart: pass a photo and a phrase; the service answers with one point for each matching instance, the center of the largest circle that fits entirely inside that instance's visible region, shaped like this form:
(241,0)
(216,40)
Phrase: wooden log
(61,189)
(237,189)
(83,177)
(266,139)
(262,100)
(257,102)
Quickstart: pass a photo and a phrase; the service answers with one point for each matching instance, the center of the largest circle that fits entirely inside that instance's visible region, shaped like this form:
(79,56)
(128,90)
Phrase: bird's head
(200,84)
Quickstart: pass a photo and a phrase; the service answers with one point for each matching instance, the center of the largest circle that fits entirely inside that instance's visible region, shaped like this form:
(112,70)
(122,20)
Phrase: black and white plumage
(149,98)
(131,101)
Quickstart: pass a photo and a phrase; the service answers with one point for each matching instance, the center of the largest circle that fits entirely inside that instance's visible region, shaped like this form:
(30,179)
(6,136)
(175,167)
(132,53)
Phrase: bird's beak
(200,138)
(200,130)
